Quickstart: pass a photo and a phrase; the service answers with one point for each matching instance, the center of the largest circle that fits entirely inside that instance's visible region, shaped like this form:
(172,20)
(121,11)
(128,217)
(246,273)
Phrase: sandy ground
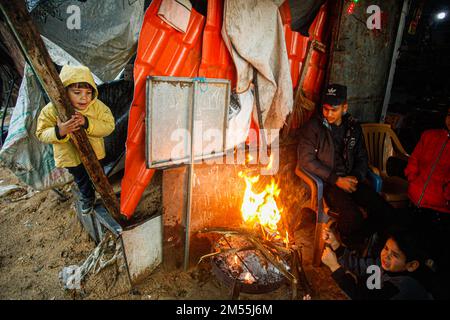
(41,235)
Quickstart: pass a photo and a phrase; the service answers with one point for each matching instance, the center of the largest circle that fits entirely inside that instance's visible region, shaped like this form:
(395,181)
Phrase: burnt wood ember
(240,261)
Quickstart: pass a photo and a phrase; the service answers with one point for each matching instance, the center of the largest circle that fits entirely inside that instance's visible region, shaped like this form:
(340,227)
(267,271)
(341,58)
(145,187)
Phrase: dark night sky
(423,68)
(421,88)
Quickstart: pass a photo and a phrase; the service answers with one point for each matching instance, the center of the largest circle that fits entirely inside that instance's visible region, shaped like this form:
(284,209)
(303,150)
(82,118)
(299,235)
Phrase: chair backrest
(381,143)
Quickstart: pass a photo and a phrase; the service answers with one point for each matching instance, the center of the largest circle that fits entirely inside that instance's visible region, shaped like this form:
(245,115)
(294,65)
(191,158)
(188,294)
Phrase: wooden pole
(35,52)
(14,51)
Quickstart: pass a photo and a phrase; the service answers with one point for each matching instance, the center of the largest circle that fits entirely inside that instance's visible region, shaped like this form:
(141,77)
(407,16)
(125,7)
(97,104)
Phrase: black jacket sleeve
(356,287)
(307,152)
(360,160)
(352,277)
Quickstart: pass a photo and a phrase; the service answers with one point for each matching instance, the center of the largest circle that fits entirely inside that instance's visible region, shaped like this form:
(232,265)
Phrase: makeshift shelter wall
(362,57)
(163,51)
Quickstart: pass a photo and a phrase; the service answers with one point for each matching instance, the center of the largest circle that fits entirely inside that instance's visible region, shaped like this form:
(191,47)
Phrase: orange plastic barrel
(315,74)
(162,51)
(216,60)
(296,46)
(317,29)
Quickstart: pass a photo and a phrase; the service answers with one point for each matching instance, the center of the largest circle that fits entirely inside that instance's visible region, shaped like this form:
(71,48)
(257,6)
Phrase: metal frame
(102,220)
(191,158)
(148,146)
(395,54)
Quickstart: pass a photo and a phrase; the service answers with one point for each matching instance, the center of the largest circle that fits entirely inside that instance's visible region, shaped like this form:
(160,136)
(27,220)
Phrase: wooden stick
(35,52)
(258,110)
(14,51)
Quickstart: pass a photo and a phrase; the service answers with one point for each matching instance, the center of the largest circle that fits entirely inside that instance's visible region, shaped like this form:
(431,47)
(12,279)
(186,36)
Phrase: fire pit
(259,256)
(241,262)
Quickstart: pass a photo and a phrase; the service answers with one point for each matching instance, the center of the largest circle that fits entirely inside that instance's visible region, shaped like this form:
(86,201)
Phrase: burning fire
(261,209)
(248,278)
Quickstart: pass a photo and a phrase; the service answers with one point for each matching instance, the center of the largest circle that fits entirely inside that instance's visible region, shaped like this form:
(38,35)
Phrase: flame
(248,278)
(269,166)
(286,240)
(261,209)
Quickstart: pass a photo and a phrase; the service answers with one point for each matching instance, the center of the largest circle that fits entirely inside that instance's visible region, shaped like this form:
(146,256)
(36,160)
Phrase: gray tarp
(108,33)
(30,160)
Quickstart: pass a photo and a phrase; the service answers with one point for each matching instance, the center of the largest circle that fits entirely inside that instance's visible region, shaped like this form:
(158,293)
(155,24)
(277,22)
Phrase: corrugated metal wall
(362,57)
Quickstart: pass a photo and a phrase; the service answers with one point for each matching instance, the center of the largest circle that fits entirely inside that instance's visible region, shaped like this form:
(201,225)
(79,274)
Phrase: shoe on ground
(86,205)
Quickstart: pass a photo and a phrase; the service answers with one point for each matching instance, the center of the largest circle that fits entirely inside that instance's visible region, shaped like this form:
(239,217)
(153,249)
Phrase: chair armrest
(374,170)
(400,151)
(315,184)
(375,179)
(402,156)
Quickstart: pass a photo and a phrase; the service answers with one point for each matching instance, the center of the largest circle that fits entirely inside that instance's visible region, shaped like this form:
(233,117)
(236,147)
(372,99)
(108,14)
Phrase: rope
(72,276)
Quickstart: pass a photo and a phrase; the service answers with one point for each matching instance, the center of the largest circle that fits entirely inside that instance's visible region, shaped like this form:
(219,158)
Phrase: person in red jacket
(428,170)
(428,174)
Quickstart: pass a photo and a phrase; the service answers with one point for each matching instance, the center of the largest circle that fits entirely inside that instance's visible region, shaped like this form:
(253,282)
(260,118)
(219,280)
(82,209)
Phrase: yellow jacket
(100,119)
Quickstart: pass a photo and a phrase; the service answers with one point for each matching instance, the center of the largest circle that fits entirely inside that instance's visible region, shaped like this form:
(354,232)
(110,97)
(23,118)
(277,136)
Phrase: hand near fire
(330,260)
(330,238)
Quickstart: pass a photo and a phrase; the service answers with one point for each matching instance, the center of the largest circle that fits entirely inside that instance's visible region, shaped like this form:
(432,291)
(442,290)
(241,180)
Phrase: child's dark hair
(410,242)
(81,85)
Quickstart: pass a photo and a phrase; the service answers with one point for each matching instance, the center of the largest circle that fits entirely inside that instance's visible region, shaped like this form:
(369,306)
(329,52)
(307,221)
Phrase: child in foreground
(404,274)
(91,115)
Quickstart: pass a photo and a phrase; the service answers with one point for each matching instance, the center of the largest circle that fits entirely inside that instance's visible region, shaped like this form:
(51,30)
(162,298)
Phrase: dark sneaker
(86,205)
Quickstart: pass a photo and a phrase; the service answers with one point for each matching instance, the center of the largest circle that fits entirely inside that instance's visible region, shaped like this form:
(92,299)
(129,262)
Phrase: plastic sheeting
(241,108)
(105,43)
(30,160)
(117,95)
(107,35)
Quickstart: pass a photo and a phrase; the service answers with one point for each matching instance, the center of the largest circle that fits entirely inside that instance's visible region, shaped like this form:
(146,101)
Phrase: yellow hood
(74,74)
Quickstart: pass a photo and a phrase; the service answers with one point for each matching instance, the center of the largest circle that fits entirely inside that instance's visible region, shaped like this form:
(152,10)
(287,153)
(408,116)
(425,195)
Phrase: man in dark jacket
(332,147)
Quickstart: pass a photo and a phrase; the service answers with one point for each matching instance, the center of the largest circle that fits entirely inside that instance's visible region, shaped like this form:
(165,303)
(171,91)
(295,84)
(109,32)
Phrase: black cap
(335,95)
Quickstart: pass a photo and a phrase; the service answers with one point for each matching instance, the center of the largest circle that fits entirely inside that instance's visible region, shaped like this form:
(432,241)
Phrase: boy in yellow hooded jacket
(90,114)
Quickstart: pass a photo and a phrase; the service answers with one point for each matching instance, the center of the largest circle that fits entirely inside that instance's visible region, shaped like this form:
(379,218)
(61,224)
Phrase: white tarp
(253,32)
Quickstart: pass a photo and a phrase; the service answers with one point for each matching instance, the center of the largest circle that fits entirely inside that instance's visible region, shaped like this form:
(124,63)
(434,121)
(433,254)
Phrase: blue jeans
(83,182)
